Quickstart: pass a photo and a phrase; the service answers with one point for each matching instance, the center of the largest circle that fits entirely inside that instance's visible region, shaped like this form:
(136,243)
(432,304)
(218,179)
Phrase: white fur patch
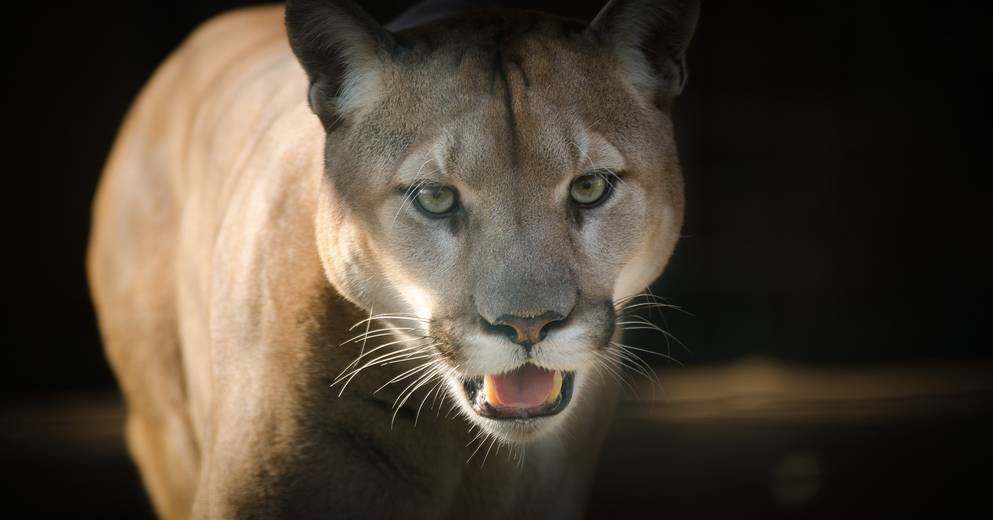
(596,153)
(485,354)
(361,87)
(646,264)
(417,299)
(565,349)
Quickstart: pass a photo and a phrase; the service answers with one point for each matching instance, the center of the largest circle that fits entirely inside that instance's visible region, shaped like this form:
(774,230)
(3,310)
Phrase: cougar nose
(526,331)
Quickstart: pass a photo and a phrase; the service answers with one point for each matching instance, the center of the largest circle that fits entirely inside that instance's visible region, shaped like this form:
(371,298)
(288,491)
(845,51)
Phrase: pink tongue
(525,387)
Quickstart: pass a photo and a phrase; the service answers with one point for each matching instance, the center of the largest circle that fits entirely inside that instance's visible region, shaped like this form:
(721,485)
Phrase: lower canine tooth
(490,391)
(556,386)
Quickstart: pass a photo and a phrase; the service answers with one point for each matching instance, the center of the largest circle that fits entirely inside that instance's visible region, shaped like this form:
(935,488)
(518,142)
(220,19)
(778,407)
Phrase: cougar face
(495,184)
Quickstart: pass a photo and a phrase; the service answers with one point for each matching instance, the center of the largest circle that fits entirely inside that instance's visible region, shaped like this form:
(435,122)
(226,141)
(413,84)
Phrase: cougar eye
(591,189)
(436,201)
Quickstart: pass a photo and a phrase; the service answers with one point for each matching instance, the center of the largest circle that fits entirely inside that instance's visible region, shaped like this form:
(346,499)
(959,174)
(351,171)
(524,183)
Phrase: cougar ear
(343,51)
(650,38)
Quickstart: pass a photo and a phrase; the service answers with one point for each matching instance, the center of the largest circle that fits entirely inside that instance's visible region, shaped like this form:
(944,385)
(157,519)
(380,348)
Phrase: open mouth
(522,393)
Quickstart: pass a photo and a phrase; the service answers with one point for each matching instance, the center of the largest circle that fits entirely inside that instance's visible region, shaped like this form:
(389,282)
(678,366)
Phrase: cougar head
(495,182)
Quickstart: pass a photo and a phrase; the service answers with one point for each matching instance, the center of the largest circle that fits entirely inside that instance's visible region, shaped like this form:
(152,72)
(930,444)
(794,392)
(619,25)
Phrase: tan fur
(216,232)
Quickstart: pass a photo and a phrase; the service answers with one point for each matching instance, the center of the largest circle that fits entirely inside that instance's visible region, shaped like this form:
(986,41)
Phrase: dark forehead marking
(507,64)
(501,82)
(514,62)
(503,51)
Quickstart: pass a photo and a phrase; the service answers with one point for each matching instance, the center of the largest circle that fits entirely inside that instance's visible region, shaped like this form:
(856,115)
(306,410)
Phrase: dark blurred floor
(752,439)
(759,440)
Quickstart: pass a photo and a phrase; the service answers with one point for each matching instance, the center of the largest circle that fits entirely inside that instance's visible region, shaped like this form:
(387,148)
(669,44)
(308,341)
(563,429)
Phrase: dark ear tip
(619,18)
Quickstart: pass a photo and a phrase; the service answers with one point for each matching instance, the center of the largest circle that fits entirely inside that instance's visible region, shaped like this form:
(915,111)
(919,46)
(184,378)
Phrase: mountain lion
(334,261)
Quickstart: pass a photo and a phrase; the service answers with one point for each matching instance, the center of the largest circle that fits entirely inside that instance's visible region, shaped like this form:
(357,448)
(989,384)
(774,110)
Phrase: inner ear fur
(342,49)
(650,37)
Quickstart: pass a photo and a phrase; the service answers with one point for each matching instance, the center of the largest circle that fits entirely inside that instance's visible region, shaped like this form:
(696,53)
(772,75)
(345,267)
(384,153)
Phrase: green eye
(590,189)
(436,200)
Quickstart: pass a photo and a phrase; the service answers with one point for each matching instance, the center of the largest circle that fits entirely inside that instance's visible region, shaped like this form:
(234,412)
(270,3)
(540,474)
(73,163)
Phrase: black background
(836,209)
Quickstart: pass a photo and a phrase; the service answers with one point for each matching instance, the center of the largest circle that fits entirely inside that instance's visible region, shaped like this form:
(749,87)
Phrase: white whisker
(401,317)
(483,441)
(379,360)
(395,354)
(409,391)
(432,390)
(369,334)
(665,356)
(372,351)
(487,454)
(405,374)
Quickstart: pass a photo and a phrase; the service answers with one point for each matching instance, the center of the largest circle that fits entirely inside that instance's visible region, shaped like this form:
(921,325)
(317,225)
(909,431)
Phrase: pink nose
(527,331)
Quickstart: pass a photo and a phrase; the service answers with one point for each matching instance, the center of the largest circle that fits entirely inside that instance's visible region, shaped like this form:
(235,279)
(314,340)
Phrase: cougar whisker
(389,355)
(417,384)
(401,316)
(369,334)
(377,348)
(386,357)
